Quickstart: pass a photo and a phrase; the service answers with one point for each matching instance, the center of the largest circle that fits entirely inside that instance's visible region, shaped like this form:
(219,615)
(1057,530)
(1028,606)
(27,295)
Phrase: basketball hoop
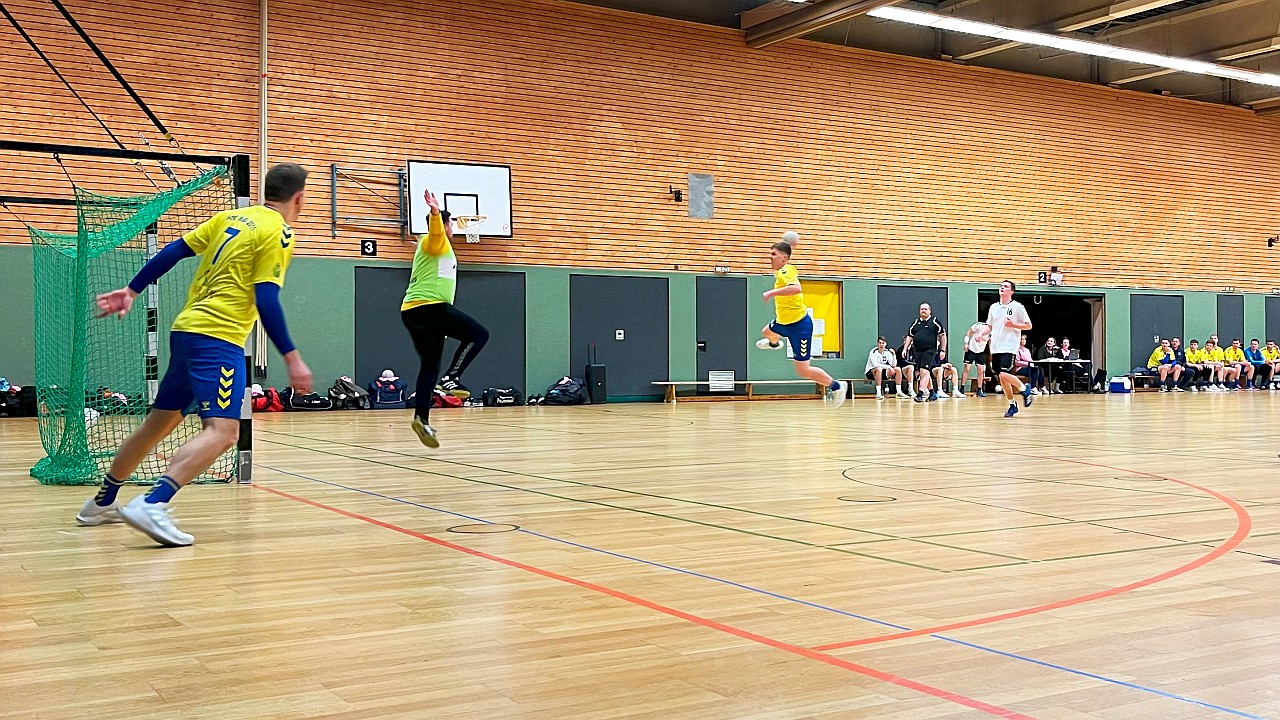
(470,225)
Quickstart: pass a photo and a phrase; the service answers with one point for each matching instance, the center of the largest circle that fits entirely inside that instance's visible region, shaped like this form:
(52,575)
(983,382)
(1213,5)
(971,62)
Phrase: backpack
(384,394)
(567,391)
(502,397)
(346,395)
(310,401)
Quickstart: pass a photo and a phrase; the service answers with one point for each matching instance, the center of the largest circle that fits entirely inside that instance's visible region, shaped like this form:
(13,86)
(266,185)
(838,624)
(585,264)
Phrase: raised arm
(436,241)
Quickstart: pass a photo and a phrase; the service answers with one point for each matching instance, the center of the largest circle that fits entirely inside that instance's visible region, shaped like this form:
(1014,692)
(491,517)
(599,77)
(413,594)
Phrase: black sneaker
(454,388)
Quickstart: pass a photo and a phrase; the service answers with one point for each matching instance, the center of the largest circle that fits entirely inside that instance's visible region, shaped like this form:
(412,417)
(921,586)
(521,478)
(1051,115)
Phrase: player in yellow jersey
(793,322)
(1215,360)
(1272,355)
(1198,373)
(1237,368)
(244,254)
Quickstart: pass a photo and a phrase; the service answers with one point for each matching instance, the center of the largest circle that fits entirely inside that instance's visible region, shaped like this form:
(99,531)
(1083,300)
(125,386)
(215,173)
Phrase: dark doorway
(1053,315)
(1151,318)
(600,307)
(722,327)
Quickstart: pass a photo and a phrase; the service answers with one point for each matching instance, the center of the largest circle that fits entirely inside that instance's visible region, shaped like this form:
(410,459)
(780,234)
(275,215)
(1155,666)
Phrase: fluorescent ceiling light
(1070,44)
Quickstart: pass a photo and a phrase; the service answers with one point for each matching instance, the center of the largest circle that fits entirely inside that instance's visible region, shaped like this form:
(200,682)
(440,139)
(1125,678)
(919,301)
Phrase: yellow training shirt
(237,249)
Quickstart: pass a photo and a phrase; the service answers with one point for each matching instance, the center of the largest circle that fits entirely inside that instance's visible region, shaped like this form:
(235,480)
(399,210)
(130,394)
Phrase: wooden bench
(1141,382)
(669,390)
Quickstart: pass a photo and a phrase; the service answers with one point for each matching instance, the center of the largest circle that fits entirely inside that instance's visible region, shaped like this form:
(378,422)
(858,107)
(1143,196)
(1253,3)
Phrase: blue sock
(164,490)
(835,385)
(107,493)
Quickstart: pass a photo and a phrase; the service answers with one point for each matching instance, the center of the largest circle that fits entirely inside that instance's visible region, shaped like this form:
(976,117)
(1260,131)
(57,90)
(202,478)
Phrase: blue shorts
(799,334)
(205,376)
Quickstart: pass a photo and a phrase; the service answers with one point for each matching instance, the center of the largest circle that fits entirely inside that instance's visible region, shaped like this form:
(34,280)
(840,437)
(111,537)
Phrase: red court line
(705,622)
(1243,526)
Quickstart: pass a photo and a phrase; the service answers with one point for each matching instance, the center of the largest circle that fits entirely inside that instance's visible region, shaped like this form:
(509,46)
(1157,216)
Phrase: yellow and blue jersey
(789,308)
(1234,354)
(237,249)
(1159,357)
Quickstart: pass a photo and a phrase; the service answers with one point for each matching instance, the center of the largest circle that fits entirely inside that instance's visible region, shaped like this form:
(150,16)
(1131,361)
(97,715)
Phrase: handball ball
(791,236)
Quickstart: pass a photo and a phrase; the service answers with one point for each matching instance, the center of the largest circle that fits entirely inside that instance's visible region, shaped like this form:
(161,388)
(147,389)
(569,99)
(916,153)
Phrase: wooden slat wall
(891,166)
(194,64)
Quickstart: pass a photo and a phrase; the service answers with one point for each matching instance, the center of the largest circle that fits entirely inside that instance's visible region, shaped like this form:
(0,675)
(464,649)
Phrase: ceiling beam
(1243,93)
(808,18)
(1197,12)
(1047,23)
(1267,108)
(1129,73)
(1216,32)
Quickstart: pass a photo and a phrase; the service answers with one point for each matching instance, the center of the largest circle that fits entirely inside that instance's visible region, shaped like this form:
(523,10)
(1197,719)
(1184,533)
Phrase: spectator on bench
(1197,374)
(1238,369)
(1271,353)
(881,365)
(1023,366)
(1214,358)
(1259,368)
(906,368)
(1075,370)
(943,370)
(1163,363)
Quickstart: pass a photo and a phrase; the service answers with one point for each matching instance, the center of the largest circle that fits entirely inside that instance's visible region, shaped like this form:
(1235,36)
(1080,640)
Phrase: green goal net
(96,378)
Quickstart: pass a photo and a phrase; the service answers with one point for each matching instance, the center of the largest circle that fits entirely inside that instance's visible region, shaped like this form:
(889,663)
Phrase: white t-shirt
(878,359)
(979,335)
(1004,338)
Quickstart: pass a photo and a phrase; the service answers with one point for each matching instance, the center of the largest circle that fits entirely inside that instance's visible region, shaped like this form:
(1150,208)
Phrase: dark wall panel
(495,299)
(599,306)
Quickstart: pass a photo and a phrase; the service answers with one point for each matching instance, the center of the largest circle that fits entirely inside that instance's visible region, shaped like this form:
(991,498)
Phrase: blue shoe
(918,397)
(1026,396)
(1013,410)
(933,396)
(981,394)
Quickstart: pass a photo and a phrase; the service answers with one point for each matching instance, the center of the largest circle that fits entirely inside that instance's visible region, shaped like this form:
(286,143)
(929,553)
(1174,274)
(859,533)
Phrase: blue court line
(777,596)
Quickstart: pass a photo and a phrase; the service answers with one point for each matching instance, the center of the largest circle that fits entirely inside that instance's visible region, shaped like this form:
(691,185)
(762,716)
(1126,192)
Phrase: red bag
(274,403)
(439,399)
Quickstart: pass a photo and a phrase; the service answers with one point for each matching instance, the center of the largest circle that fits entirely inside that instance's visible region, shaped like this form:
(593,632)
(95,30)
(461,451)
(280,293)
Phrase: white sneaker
(1193,388)
(879,394)
(425,433)
(764,344)
(94,514)
(943,395)
(837,396)
(903,396)
(154,521)
(957,394)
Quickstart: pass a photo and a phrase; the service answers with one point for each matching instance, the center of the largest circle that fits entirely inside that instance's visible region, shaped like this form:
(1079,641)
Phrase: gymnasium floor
(1096,557)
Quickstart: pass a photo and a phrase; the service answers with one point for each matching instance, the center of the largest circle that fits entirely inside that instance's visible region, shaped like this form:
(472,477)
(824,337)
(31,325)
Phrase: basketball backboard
(463,189)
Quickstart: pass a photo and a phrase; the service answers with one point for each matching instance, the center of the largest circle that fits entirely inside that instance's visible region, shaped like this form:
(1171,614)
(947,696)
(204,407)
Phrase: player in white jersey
(1007,319)
(975,356)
